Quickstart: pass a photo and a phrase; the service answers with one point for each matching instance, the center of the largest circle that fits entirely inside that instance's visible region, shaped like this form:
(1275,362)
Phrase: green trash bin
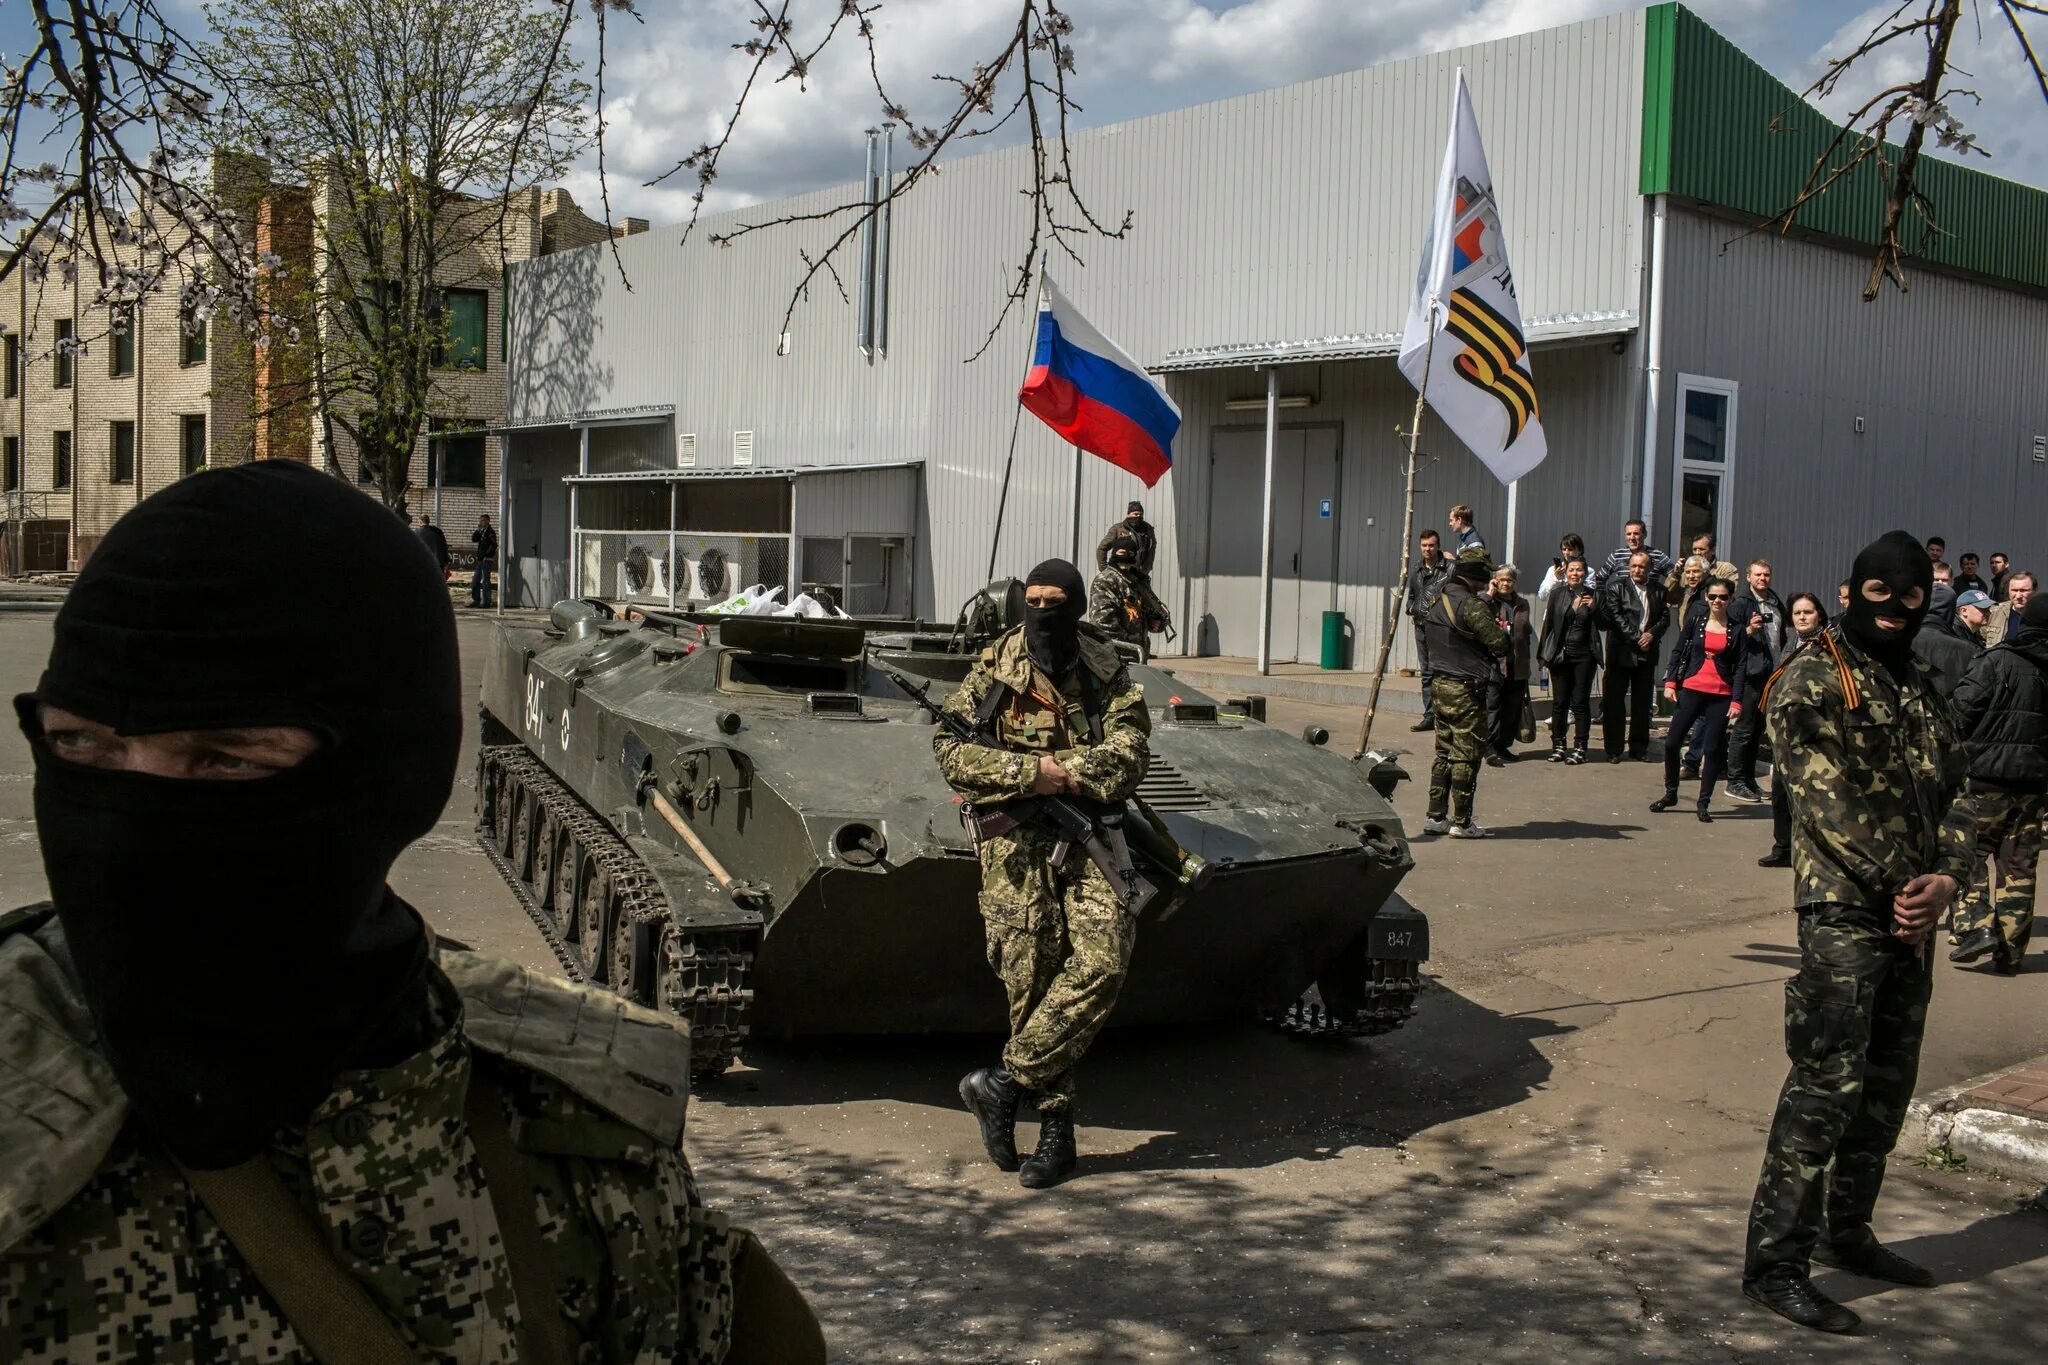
(1335,627)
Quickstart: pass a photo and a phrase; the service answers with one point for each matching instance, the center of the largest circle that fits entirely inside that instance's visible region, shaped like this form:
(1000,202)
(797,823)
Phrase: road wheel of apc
(519,843)
(563,892)
(632,948)
(594,910)
(546,854)
(506,797)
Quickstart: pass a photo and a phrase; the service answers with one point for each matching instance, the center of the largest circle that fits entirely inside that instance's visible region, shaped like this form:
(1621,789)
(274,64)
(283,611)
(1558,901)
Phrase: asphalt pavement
(1552,1161)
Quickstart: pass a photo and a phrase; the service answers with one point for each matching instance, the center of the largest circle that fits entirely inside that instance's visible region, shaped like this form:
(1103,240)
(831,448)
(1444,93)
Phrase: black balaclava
(1053,634)
(235,939)
(1899,562)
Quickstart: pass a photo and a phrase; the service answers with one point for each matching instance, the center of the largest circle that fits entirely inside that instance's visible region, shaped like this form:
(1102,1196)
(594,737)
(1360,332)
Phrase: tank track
(701,976)
(1390,994)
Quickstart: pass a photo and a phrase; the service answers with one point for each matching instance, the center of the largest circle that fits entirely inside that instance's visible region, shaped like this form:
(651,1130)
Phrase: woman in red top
(1703,679)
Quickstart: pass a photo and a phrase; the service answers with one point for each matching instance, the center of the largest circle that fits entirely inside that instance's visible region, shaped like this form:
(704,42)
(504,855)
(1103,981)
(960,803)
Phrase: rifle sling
(328,1307)
(291,1259)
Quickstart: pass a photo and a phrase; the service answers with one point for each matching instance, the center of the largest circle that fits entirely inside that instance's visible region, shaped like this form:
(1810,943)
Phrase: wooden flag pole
(1379,673)
(995,541)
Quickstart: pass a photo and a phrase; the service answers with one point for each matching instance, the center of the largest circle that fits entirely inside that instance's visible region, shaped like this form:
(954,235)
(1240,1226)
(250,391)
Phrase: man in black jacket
(1133,528)
(1425,581)
(2001,711)
(1569,647)
(1938,646)
(1632,610)
(1754,599)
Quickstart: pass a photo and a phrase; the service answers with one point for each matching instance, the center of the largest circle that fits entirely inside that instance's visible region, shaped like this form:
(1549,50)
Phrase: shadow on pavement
(1565,829)
(1192,1089)
(1972,1252)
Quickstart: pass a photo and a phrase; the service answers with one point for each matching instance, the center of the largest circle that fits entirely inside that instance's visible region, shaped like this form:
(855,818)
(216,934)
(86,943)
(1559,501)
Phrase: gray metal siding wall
(1948,379)
(875,501)
(1590,418)
(1286,215)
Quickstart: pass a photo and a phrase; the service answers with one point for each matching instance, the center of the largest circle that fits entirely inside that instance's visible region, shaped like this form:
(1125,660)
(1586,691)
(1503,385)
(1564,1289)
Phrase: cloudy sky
(673,73)
(672,78)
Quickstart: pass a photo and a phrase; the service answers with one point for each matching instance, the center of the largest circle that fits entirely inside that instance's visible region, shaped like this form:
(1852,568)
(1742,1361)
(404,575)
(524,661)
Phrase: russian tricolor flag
(1082,385)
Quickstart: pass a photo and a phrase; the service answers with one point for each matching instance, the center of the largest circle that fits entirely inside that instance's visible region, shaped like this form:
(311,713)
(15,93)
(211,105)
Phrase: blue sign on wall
(1323,509)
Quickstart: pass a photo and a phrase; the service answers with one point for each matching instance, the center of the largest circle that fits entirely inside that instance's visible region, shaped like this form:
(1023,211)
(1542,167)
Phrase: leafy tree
(415,125)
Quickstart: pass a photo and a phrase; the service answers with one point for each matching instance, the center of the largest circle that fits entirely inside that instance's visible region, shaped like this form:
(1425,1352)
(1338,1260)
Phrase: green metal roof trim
(1707,111)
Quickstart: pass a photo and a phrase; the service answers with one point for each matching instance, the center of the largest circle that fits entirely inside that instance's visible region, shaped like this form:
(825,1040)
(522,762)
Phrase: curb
(1988,1139)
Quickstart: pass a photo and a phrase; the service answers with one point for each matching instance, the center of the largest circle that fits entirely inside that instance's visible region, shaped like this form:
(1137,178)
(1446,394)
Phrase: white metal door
(1703,460)
(1315,580)
(1236,495)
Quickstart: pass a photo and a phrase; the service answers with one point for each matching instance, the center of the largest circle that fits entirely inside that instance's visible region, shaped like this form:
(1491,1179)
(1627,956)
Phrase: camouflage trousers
(1060,944)
(1460,706)
(1854,1016)
(2008,839)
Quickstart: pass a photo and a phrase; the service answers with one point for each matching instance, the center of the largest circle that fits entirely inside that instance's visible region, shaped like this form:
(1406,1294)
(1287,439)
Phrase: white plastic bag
(763,603)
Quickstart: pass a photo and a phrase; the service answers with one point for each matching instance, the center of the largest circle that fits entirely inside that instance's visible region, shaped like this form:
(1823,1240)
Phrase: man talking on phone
(1754,600)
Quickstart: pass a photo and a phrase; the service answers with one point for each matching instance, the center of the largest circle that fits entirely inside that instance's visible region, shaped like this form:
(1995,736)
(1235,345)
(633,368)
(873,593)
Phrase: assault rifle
(1098,828)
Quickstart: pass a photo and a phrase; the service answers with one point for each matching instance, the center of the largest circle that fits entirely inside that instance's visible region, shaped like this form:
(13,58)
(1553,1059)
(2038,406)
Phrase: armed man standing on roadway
(1424,582)
(1465,643)
(1135,529)
(255,1109)
(1873,764)
(1122,602)
(1059,716)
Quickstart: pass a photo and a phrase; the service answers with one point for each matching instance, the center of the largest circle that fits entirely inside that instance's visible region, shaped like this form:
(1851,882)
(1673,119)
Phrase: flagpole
(1507,555)
(1077,512)
(1003,499)
(1379,672)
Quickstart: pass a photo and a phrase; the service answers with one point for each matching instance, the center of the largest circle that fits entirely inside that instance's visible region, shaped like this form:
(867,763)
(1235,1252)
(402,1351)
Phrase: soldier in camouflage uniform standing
(256,1111)
(1466,644)
(2001,710)
(1871,759)
(1121,600)
(1059,715)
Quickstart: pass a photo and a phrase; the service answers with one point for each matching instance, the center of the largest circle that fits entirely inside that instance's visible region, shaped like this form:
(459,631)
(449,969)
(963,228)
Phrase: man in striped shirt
(1635,536)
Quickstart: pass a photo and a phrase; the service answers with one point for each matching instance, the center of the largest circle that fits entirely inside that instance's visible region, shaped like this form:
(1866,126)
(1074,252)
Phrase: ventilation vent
(1164,788)
(686,450)
(742,448)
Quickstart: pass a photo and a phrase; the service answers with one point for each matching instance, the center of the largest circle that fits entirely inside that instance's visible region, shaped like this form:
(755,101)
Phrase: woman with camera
(1704,681)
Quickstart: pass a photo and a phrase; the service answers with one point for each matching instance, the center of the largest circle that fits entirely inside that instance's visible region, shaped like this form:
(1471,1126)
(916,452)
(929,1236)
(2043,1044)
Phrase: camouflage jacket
(1874,765)
(1124,605)
(106,1253)
(1040,718)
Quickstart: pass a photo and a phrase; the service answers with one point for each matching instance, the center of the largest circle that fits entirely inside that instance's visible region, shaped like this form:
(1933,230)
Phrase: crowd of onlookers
(1708,633)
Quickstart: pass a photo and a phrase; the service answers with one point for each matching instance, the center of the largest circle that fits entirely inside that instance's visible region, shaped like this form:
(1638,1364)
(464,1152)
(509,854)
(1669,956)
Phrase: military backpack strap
(543,1340)
(332,1313)
(1091,705)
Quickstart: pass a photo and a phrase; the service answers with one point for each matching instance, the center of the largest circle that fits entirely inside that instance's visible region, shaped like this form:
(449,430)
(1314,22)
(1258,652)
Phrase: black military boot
(1862,1254)
(1054,1159)
(991,1095)
(1666,801)
(1973,945)
(1790,1295)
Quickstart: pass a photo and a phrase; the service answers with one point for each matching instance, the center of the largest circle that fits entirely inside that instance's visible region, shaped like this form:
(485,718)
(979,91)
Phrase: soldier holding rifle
(1054,715)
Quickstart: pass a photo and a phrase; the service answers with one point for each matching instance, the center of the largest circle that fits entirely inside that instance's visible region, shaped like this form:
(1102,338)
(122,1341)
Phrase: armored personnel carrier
(739,820)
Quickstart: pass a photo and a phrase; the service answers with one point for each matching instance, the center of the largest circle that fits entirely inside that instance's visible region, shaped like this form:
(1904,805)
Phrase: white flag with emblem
(1479,379)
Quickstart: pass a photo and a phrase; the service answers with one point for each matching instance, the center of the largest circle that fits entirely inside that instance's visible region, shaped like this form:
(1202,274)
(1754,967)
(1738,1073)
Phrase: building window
(60,459)
(1703,448)
(121,347)
(364,474)
(60,357)
(10,463)
(463,313)
(192,345)
(455,455)
(121,452)
(192,444)
(13,363)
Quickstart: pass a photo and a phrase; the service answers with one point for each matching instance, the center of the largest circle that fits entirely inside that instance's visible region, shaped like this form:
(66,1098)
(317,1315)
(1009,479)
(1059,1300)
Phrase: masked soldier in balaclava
(1466,645)
(1056,713)
(1870,755)
(1121,600)
(255,1110)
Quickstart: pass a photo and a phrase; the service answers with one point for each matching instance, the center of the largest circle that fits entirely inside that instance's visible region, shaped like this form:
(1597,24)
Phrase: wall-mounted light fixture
(1287,400)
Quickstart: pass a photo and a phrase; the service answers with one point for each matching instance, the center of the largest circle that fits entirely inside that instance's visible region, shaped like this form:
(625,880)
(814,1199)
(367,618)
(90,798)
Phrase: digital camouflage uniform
(1872,770)
(107,1254)
(1465,621)
(1056,936)
(2006,837)
(1124,605)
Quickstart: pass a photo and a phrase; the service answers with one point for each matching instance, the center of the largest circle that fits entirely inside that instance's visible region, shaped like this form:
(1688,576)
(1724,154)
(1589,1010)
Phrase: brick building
(90,428)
